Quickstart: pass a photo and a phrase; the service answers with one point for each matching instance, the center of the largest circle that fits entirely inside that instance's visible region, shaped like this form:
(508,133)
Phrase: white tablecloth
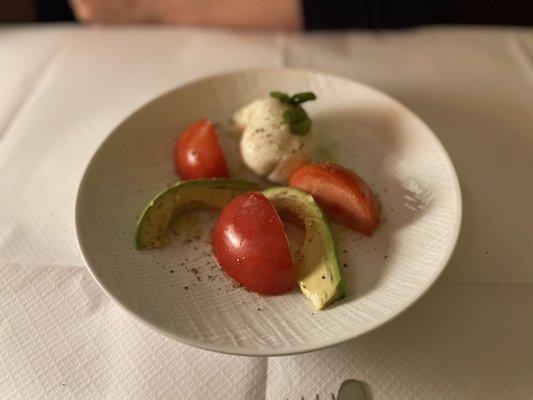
(63,88)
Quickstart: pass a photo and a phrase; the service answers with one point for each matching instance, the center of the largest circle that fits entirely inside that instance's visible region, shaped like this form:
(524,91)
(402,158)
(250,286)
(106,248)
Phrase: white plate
(358,127)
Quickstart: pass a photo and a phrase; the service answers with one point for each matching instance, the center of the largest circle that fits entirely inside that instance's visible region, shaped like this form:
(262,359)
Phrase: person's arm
(251,14)
(281,14)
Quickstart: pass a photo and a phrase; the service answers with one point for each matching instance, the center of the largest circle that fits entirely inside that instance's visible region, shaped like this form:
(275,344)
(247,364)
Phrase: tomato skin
(198,155)
(343,195)
(250,244)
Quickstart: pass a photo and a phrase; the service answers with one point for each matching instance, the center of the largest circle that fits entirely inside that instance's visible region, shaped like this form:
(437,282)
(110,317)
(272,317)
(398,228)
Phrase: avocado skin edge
(239,186)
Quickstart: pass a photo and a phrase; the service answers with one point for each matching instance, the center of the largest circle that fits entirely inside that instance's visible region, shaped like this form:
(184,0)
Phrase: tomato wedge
(343,195)
(250,244)
(198,154)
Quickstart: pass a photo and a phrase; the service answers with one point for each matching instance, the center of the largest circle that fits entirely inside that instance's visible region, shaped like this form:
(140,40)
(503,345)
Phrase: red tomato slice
(345,197)
(250,244)
(198,154)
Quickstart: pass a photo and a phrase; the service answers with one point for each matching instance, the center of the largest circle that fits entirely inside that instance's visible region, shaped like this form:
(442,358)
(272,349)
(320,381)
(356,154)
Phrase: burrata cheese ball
(267,145)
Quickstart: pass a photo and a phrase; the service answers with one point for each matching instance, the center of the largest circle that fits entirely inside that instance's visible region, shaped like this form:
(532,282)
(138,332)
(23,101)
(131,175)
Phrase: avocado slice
(317,267)
(184,196)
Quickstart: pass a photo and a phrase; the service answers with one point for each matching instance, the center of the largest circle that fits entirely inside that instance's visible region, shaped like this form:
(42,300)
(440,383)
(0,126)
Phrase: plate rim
(298,349)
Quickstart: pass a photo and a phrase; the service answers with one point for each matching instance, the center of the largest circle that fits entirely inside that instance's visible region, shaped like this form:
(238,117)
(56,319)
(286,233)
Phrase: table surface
(63,88)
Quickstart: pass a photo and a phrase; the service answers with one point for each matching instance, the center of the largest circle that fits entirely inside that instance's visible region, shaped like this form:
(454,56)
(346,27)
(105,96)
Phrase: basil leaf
(283,97)
(295,114)
(301,127)
(300,98)
(298,120)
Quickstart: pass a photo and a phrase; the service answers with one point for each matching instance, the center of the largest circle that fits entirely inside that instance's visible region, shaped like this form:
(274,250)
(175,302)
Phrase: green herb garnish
(283,97)
(294,115)
(301,127)
(300,98)
(298,120)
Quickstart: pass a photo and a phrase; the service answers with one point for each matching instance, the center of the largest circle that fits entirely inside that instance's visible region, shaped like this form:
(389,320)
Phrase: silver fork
(350,389)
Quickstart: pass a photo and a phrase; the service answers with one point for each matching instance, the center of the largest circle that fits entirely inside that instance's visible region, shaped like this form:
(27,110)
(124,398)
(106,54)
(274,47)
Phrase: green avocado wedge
(182,197)
(317,267)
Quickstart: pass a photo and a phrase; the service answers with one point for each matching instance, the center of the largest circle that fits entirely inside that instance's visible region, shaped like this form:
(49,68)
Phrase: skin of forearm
(254,14)
(258,14)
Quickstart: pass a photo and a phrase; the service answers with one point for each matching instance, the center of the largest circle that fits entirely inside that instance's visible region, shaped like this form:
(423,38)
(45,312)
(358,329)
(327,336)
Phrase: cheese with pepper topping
(267,145)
